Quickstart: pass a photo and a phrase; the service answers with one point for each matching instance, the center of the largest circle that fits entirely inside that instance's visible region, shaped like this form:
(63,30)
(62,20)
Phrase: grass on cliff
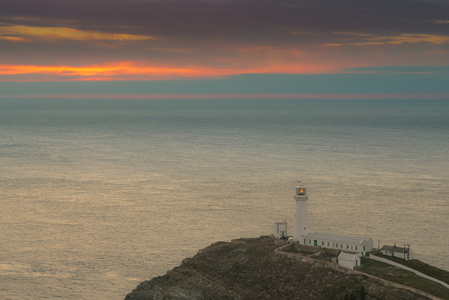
(397,275)
(421,267)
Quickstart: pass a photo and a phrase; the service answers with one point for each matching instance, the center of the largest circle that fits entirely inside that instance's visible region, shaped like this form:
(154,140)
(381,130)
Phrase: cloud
(364,39)
(418,38)
(12,38)
(253,20)
(150,39)
(132,70)
(26,33)
(119,70)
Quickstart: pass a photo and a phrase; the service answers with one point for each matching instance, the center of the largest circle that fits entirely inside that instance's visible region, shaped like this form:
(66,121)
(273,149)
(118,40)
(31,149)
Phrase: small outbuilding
(349,260)
(280,230)
(401,252)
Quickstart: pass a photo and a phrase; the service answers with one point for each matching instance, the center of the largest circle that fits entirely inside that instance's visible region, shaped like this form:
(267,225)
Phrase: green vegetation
(421,267)
(397,275)
(386,271)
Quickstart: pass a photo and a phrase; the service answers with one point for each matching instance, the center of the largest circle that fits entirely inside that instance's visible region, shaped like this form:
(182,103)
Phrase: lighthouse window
(322,243)
(355,247)
(328,244)
(347,246)
(336,245)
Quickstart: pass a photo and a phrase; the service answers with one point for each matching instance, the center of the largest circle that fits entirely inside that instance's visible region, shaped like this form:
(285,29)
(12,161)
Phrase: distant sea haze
(97,195)
(241,96)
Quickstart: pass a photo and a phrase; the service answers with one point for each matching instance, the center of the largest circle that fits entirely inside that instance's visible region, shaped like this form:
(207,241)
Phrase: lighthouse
(300,214)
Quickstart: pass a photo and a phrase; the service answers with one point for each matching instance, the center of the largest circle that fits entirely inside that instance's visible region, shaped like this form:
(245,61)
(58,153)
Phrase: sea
(97,195)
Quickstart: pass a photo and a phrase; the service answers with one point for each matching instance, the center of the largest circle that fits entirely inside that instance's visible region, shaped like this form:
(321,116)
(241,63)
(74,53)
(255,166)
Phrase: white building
(401,252)
(342,242)
(280,230)
(326,240)
(349,260)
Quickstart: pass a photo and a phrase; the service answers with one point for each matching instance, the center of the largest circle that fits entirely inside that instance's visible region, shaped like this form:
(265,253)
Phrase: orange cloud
(370,39)
(64,33)
(419,38)
(133,69)
(138,70)
(12,38)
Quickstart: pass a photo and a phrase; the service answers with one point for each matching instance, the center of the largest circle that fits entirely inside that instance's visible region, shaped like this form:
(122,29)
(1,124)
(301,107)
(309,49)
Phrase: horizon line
(222,96)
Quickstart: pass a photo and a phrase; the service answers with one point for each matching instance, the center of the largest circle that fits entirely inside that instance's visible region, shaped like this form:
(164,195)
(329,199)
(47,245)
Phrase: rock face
(252,269)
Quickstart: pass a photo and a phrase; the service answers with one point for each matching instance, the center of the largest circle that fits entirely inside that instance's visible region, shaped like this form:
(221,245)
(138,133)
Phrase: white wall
(369,244)
(278,228)
(349,264)
(399,254)
(350,247)
(300,220)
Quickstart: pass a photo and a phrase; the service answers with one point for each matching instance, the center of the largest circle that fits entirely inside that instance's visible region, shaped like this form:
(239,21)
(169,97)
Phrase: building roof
(335,237)
(394,249)
(300,185)
(347,256)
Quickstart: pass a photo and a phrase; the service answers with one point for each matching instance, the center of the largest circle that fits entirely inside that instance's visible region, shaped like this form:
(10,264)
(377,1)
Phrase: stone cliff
(253,269)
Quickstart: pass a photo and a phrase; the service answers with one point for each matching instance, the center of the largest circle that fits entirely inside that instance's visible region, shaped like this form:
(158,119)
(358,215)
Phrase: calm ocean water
(99,195)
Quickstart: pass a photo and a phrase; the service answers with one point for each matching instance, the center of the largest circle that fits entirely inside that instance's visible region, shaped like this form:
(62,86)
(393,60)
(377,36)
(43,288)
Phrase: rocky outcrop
(252,269)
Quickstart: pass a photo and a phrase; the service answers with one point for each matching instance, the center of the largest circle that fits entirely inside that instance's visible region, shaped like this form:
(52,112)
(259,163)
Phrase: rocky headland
(255,268)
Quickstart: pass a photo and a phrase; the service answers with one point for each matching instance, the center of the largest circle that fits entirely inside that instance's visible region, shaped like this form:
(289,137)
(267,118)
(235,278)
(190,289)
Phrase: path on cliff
(387,261)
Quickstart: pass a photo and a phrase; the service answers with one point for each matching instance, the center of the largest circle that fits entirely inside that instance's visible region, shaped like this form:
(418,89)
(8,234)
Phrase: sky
(224,49)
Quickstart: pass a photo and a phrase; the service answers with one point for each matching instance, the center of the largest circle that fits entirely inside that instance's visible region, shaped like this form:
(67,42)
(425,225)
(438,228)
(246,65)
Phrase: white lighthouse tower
(300,214)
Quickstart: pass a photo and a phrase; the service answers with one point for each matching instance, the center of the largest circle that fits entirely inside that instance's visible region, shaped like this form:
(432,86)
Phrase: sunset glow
(140,70)
(113,69)
(135,40)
